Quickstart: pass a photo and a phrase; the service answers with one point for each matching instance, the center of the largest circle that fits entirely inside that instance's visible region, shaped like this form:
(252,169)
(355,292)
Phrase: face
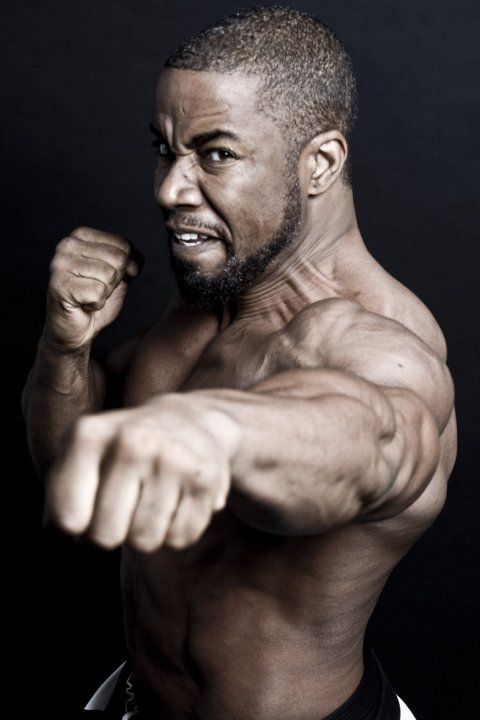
(222,172)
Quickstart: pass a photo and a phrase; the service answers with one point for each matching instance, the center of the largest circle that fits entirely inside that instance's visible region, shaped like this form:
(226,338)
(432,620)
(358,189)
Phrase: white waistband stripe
(405,712)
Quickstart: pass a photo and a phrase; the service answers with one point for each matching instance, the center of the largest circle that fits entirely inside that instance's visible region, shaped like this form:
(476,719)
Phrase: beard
(207,292)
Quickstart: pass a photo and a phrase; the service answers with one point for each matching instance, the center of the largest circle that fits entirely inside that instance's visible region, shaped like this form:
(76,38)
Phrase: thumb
(135,265)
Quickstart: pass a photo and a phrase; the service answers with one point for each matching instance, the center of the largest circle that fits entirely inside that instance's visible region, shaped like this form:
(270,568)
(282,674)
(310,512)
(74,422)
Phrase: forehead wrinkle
(184,131)
(189,107)
(187,103)
(186,120)
(213,102)
(204,100)
(189,124)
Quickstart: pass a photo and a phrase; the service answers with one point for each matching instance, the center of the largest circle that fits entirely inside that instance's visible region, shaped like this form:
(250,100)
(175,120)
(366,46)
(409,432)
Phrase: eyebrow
(201,137)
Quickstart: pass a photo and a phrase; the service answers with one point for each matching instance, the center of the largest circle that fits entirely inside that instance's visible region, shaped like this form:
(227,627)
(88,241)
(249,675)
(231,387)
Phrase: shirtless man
(288,426)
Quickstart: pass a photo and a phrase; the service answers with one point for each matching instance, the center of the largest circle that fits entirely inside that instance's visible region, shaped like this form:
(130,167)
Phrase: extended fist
(151,475)
(87,286)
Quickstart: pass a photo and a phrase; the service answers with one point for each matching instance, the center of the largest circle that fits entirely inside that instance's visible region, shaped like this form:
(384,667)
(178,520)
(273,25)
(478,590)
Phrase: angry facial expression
(223,176)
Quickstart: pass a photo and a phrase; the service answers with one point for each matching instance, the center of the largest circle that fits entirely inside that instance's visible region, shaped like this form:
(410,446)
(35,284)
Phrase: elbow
(413,456)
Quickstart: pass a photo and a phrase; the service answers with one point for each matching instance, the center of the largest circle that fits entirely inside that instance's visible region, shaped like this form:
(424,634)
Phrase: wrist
(219,418)
(210,409)
(49,346)
(65,372)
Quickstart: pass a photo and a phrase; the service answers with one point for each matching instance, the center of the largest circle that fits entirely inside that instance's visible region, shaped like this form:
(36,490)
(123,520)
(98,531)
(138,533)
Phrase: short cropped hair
(307,84)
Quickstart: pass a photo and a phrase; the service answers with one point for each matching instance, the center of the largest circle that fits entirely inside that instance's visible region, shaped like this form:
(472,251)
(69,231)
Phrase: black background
(78,81)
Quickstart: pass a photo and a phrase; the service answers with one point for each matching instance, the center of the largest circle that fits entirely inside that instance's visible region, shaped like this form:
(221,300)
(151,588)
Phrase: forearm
(59,388)
(312,449)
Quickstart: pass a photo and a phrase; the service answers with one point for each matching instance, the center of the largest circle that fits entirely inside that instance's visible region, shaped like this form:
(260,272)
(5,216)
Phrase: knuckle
(125,243)
(153,508)
(86,428)
(82,230)
(65,245)
(200,485)
(98,287)
(95,289)
(120,258)
(122,244)
(116,257)
(200,479)
(112,275)
(57,262)
(111,272)
(130,441)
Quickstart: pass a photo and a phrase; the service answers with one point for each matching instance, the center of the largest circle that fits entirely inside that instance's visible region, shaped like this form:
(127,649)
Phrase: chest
(237,358)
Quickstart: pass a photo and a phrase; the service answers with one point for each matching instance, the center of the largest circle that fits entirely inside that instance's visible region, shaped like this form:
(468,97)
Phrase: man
(288,428)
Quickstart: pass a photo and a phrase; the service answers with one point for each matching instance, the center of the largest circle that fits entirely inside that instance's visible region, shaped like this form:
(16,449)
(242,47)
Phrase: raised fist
(87,286)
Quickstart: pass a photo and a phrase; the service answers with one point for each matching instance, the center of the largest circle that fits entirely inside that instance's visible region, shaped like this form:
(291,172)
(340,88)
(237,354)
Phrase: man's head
(279,84)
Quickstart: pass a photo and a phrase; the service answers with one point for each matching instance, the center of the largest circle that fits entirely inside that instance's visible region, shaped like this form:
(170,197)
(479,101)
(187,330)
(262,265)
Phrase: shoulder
(336,314)
(343,334)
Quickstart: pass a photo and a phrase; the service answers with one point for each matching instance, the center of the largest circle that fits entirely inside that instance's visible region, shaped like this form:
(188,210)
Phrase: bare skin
(247,619)
(272,465)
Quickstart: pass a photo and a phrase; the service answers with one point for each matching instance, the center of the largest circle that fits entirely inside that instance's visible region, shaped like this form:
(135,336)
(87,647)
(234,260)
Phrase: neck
(312,269)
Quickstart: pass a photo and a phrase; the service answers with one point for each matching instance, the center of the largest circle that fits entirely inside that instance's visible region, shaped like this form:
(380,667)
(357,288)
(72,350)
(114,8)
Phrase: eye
(219,154)
(163,151)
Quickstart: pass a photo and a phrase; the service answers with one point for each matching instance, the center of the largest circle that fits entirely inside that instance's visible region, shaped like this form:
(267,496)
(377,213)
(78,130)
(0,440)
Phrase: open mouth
(190,239)
(192,244)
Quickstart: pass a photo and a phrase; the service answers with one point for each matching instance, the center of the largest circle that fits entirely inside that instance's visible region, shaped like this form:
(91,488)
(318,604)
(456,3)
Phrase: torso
(245,624)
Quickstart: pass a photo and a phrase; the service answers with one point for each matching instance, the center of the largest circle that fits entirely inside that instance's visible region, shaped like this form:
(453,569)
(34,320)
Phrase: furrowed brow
(201,137)
(212,135)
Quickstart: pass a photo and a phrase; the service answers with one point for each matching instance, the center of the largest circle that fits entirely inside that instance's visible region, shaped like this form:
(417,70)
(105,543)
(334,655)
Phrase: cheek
(264,213)
(251,204)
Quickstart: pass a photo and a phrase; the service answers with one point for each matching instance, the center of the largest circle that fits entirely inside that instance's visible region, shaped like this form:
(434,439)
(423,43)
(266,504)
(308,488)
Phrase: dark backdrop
(78,83)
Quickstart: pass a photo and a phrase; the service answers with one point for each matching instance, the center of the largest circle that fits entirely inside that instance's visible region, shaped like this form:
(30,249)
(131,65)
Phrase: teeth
(188,238)
(193,238)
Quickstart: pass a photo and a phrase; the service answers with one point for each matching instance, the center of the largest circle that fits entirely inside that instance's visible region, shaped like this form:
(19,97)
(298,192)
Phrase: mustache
(192,222)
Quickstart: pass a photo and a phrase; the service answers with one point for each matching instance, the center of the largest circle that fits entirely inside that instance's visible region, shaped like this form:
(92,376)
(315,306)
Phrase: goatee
(211,292)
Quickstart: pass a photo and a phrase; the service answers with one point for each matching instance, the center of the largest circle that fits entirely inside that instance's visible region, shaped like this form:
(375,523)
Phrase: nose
(176,184)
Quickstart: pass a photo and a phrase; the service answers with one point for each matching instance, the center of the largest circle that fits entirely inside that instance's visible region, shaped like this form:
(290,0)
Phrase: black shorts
(374,698)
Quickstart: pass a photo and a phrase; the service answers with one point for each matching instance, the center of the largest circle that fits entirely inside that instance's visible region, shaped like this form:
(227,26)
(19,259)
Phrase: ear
(322,160)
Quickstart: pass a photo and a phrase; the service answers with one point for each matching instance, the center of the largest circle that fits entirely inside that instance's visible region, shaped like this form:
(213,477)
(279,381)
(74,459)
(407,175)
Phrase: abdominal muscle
(254,626)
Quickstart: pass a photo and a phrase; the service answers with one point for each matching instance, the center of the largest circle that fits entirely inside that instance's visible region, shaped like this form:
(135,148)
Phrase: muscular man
(288,426)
